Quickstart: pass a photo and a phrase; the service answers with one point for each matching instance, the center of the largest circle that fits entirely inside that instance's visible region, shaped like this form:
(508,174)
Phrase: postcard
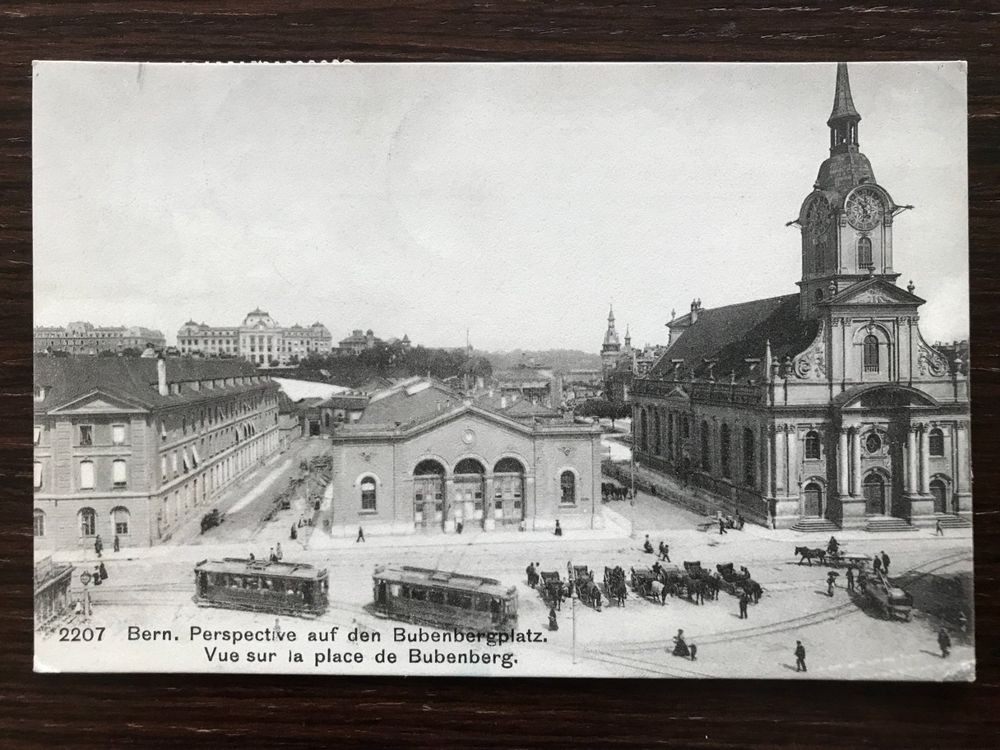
(503,370)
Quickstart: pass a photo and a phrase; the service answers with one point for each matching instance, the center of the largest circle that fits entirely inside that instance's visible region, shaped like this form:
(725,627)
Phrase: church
(825,408)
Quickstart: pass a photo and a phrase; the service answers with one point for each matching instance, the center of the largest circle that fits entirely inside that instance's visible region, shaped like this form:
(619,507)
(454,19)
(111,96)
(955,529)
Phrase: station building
(422,458)
(134,447)
(825,408)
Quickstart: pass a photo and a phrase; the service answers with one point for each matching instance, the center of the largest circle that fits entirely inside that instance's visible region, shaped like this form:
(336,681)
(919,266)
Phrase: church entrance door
(874,490)
(812,501)
(940,494)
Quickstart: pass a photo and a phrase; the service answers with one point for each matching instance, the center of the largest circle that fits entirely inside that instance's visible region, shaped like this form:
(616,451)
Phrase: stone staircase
(815,525)
(949,521)
(888,523)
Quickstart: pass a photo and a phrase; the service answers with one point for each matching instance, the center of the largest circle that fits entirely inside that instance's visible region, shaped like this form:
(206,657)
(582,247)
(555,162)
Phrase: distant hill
(557,359)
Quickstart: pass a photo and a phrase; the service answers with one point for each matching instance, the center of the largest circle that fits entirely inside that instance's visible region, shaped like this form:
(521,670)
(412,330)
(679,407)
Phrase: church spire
(844,118)
(611,316)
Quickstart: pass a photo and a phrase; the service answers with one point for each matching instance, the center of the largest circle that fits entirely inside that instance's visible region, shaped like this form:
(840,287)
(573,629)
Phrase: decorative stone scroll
(931,362)
(811,364)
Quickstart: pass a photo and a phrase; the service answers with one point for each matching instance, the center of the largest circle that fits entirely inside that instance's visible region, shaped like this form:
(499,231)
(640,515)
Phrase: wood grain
(180,711)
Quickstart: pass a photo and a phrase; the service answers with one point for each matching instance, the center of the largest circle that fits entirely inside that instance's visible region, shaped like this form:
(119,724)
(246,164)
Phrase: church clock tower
(846,221)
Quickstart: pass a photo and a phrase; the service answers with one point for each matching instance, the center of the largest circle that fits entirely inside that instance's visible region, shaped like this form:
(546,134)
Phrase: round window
(873,443)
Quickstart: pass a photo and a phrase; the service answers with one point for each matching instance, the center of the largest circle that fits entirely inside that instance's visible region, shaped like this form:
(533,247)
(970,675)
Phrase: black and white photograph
(619,370)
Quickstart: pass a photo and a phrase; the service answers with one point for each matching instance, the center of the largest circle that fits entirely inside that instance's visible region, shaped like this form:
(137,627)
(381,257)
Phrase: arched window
(88,522)
(39,522)
(935,443)
(725,450)
(812,444)
(119,473)
(120,518)
(865,253)
(706,458)
(870,346)
(86,475)
(749,453)
(368,494)
(38,475)
(567,487)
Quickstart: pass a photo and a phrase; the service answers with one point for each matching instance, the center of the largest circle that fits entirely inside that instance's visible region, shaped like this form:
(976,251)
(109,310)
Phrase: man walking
(277,551)
(665,551)
(850,580)
(744,601)
(831,580)
(938,531)
(722,526)
(361,535)
(944,642)
(800,657)
(118,544)
(885,563)
(877,565)
(98,545)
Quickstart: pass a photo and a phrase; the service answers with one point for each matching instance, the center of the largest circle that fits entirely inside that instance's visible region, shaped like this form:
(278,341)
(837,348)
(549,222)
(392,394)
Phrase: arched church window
(870,357)
(864,253)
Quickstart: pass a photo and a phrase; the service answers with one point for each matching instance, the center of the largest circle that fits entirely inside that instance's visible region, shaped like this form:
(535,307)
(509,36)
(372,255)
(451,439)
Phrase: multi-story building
(133,447)
(258,339)
(81,337)
(358,342)
(823,408)
(423,458)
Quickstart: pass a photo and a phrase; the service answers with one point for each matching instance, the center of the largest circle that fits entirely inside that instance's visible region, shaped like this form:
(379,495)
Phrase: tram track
(809,620)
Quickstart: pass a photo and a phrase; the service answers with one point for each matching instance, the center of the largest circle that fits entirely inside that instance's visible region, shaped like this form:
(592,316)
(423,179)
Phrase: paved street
(843,637)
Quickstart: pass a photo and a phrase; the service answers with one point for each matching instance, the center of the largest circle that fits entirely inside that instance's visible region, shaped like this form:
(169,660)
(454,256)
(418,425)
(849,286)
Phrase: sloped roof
(403,405)
(732,334)
(133,379)
(525,408)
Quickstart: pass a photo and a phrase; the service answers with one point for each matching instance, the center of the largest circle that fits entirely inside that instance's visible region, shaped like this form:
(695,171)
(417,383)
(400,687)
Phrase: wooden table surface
(250,712)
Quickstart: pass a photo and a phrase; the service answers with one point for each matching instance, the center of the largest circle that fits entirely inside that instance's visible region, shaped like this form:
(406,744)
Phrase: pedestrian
(831,581)
(98,545)
(877,565)
(277,552)
(553,623)
(744,601)
(938,531)
(850,579)
(800,657)
(271,556)
(251,557)
(459,526)
(118,545)
(944,641)
(693,648)
(740,521)
(885,563)
(295,532)
(102,571)
(665,551)
(647,546)
(832,546)
(361,535)
(96,578)
(722,526)
(531,574)
(558,531)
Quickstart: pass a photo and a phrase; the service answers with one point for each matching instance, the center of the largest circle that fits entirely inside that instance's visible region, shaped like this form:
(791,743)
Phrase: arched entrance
(467,504)
(428,496)
(939,491)
(874,491)
(508,492)
(812,500)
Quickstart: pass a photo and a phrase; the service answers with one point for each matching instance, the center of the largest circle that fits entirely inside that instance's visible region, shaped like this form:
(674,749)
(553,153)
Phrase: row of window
(87,521)
(119,474)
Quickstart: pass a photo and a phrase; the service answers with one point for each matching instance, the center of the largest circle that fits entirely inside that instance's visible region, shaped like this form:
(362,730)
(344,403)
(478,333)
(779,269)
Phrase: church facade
(825,408)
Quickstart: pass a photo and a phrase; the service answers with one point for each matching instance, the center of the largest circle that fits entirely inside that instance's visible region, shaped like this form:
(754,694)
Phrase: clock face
(818,218)
(864,209)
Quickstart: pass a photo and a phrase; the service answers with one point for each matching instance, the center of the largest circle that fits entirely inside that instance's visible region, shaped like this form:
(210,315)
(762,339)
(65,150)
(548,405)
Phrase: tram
(444,599)
(283,588)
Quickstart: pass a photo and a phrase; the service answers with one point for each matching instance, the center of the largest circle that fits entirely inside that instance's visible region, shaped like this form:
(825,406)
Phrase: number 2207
(81,634)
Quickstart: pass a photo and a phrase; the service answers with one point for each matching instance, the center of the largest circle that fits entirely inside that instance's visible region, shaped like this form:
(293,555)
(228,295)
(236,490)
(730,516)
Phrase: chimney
(503,402)
(694,311)
(161,376)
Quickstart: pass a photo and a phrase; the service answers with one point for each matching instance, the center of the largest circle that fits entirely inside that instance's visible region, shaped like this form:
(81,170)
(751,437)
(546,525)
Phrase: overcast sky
(513,200)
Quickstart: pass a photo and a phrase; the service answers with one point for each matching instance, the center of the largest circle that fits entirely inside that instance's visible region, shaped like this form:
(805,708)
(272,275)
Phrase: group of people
(273,555)
(663,553)
(99,545)
(730,522)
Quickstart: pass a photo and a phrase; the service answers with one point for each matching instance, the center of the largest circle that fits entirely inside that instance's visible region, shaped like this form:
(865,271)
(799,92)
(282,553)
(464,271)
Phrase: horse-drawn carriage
(834,557)
(614,585)
(893,602)
(736,582)
(586,590)
(648,583)
(551,588)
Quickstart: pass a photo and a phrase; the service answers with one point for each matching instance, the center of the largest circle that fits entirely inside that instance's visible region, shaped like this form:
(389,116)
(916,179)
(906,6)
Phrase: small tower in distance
(611,348)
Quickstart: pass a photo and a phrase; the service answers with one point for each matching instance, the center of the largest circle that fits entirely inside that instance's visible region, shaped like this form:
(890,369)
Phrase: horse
(658,591)
(590,594)
(617,591)
(806,553)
